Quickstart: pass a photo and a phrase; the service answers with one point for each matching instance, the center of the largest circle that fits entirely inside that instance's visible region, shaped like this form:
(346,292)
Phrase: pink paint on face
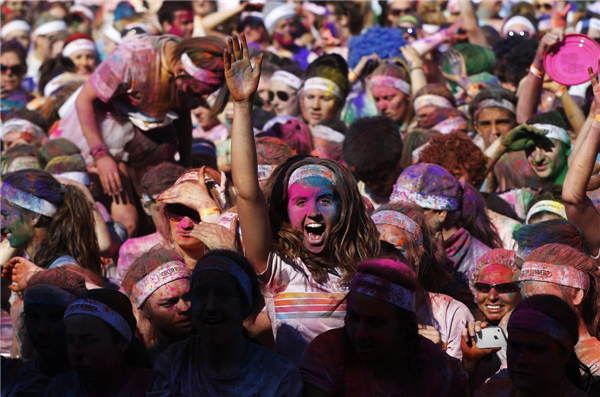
(285,32)
(394,235)
(313,210)
(168,309)
(390,102)
(180,232)
(183,24)
(493,305)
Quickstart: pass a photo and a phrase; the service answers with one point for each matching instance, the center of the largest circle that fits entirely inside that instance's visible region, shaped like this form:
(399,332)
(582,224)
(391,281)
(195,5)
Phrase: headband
(432,100)
(78,45)
(554,132)
(312,171)
(532,320)
(384,290)
(547,206)
(265,171)
(287,78)
(21,125)
(204,148)
(518,20)
(85,11)
(395,218)
(91,307)
(226,265)
(547,273)
(50,27)
(251,14)
(319,83)
(54,84)
(46,294)
(148,199)
(13,26)
(593,23)
(277,14)
(402,194)
(495,103)
(203,75)
(449,125)
(160,276)
(112,33)
(390,81)
(328,134)
(77,176)
(27,201)
(23,163)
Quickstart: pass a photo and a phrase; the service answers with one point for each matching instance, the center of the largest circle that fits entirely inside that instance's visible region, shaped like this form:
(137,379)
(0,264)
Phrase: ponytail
(474,218)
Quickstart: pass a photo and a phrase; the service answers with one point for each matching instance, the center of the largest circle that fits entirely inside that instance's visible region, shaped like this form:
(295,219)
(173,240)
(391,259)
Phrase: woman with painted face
(312,208)
(283,26)
(158,284)
(283,92)
(221,361)
(379,350)
(390,88)
(441,318)
(542,332)
(81,49)
(107,357)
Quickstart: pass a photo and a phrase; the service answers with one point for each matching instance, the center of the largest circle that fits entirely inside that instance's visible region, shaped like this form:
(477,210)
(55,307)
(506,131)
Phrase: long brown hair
(354,237)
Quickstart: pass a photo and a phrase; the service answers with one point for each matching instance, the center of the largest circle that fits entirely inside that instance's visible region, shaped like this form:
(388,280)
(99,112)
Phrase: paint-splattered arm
(242,81)
(474,31)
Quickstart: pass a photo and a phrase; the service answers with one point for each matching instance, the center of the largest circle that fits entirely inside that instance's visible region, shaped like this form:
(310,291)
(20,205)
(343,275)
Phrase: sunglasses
(409,31)
(522,33)
(546,6)
(282,95)
(397,12)
(176,212)
(15,69)
(503,288)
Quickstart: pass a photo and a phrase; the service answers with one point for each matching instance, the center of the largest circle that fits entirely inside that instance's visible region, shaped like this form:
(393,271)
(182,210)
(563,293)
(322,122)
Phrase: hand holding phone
(490,337)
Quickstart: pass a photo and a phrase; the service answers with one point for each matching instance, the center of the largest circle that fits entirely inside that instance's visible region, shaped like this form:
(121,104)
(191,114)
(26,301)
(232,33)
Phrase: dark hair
(52,68)
(552,117)
(372,144)
(60,277)
(167,10)
(200,158)
(71,231)
(17,48)
(513,57)
(383,18)
(160,177)
(436,89)
(29,115)
(355,11)
(413,140)
(491,93)
(556,231)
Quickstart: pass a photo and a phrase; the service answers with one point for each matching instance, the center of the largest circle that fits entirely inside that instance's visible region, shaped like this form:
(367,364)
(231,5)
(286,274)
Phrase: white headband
(432,100)
(50,27)
(160,276)
(451,124)
(27,201)
(13,26)
(424,200)
(547,206)
(312,171)
(251,14)
(105,313)
(518,20)
(278,13)
(384,290)
(112,33)
(397,219)
(203,75)
(78,45)
(555,274)
(54,84)
(319,83)
(328,134)
(81,9)
(495,103)
(554,132)
(23,163)
(21,125)
(265,171)
(77,176)
(390,81)
(593,23)
(287,78)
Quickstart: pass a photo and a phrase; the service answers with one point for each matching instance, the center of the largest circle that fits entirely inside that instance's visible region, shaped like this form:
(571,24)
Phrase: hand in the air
(242,78)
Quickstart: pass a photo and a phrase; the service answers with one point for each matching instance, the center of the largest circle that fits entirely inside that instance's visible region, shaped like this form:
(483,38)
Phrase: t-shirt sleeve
(112,77)
(458,317)
(276,277)
(320,363)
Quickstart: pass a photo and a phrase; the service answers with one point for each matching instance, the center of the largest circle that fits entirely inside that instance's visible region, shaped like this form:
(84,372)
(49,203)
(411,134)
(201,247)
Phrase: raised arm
(474,31)
(242,81)
(580,209)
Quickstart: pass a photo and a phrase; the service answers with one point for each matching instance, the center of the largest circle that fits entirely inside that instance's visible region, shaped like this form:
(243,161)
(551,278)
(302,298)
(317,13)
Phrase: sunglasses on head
(176,212)
(409,31)
(397,12)
(15,69)
(502,288)
(282,95)
(546,6)
(522,33)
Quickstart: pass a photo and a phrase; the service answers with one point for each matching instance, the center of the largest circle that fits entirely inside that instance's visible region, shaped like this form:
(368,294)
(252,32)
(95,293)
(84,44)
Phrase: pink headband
(160,276)
(385,290)
(390,81)
(203,75)
(395,218)
(451,124)
(533,320)
(312,171)
(105,313)
(561,275)
(432,100)
(78,45)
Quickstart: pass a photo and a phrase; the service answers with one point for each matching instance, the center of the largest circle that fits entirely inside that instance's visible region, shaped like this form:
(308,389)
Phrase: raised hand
(522,137)
(18,270)
(470,350)
(242,78)
(191,192)
(595,87)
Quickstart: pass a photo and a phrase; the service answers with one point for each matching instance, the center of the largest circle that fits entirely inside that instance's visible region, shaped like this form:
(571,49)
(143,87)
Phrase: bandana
(312,171)
(27,201)
(395,218)
(424,200)
(554,132)
(327,134)
(78,45)
(265,171)
(50,27)
(451,124)
(23,163)
(204,148)
(384,290)
(547,206)
(226,265)
(203,75)
(23,126)
(287,78)
(389,81)
(160,276)
(561,275)
(319,83)
(432,100)
(14,26)
(495,103)
(105,313)
(518,20)
(77,176)
(532,320)
(45,294)
(277,14)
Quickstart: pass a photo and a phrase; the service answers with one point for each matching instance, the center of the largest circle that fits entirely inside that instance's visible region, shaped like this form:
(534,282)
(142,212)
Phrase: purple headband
(160,276)
(384,290)
(226,265)
(395,218)
(532,320)
(27,201)
(91,307)
(45,294)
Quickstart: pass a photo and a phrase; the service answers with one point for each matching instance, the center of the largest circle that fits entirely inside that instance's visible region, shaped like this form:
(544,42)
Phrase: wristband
(99,151)
(536,72)
(560,92)
(209,211)
(597,117)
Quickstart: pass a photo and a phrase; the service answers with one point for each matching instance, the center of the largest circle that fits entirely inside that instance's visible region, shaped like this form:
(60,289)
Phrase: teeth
(494,306)
(314,225)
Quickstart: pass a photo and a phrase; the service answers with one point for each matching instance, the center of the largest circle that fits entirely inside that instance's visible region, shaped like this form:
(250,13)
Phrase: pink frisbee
(567,63)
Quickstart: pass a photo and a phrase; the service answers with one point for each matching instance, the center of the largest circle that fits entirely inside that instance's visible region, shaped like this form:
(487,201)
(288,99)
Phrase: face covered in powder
(496,293)
(17,226)
(318,105)
(549,164)
(168,309)
(313,209)
(531,288)
(493,123)
(394,235)
(390,102)
(285,32)
(182,220)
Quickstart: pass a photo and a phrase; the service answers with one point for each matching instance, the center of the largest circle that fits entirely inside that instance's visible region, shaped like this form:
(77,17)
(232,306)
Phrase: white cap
(85,11)
(13,26)
(277,14)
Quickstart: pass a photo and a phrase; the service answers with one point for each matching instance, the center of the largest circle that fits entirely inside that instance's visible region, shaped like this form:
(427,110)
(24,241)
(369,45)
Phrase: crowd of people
(301,198)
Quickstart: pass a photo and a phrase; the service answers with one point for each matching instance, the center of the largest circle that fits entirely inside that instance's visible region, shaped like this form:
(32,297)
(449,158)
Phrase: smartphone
(490,337)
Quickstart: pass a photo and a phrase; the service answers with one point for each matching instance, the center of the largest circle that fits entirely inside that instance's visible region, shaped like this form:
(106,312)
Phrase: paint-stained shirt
(588,352)
(331,364)
(298,306)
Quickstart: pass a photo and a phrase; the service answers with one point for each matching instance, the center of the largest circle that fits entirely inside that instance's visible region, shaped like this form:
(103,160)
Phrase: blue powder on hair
(386,42)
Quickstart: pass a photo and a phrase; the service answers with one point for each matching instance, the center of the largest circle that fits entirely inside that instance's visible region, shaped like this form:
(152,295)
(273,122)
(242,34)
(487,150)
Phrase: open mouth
(212,321)
(315,233)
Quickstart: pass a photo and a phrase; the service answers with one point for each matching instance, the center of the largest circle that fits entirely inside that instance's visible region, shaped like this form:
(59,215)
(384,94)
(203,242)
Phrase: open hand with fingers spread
(242,78)
(18,270)
(522,138)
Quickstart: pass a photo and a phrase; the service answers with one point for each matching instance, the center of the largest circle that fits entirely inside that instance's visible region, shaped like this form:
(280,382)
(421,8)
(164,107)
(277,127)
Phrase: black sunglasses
(15,69)
(502,288)
(400,11)
(176,212)
(282,95)
(546,6)
(523,33)
(409,31)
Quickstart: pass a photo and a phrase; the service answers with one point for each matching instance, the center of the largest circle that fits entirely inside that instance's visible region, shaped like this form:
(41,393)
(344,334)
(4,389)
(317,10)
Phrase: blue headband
(226,265)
